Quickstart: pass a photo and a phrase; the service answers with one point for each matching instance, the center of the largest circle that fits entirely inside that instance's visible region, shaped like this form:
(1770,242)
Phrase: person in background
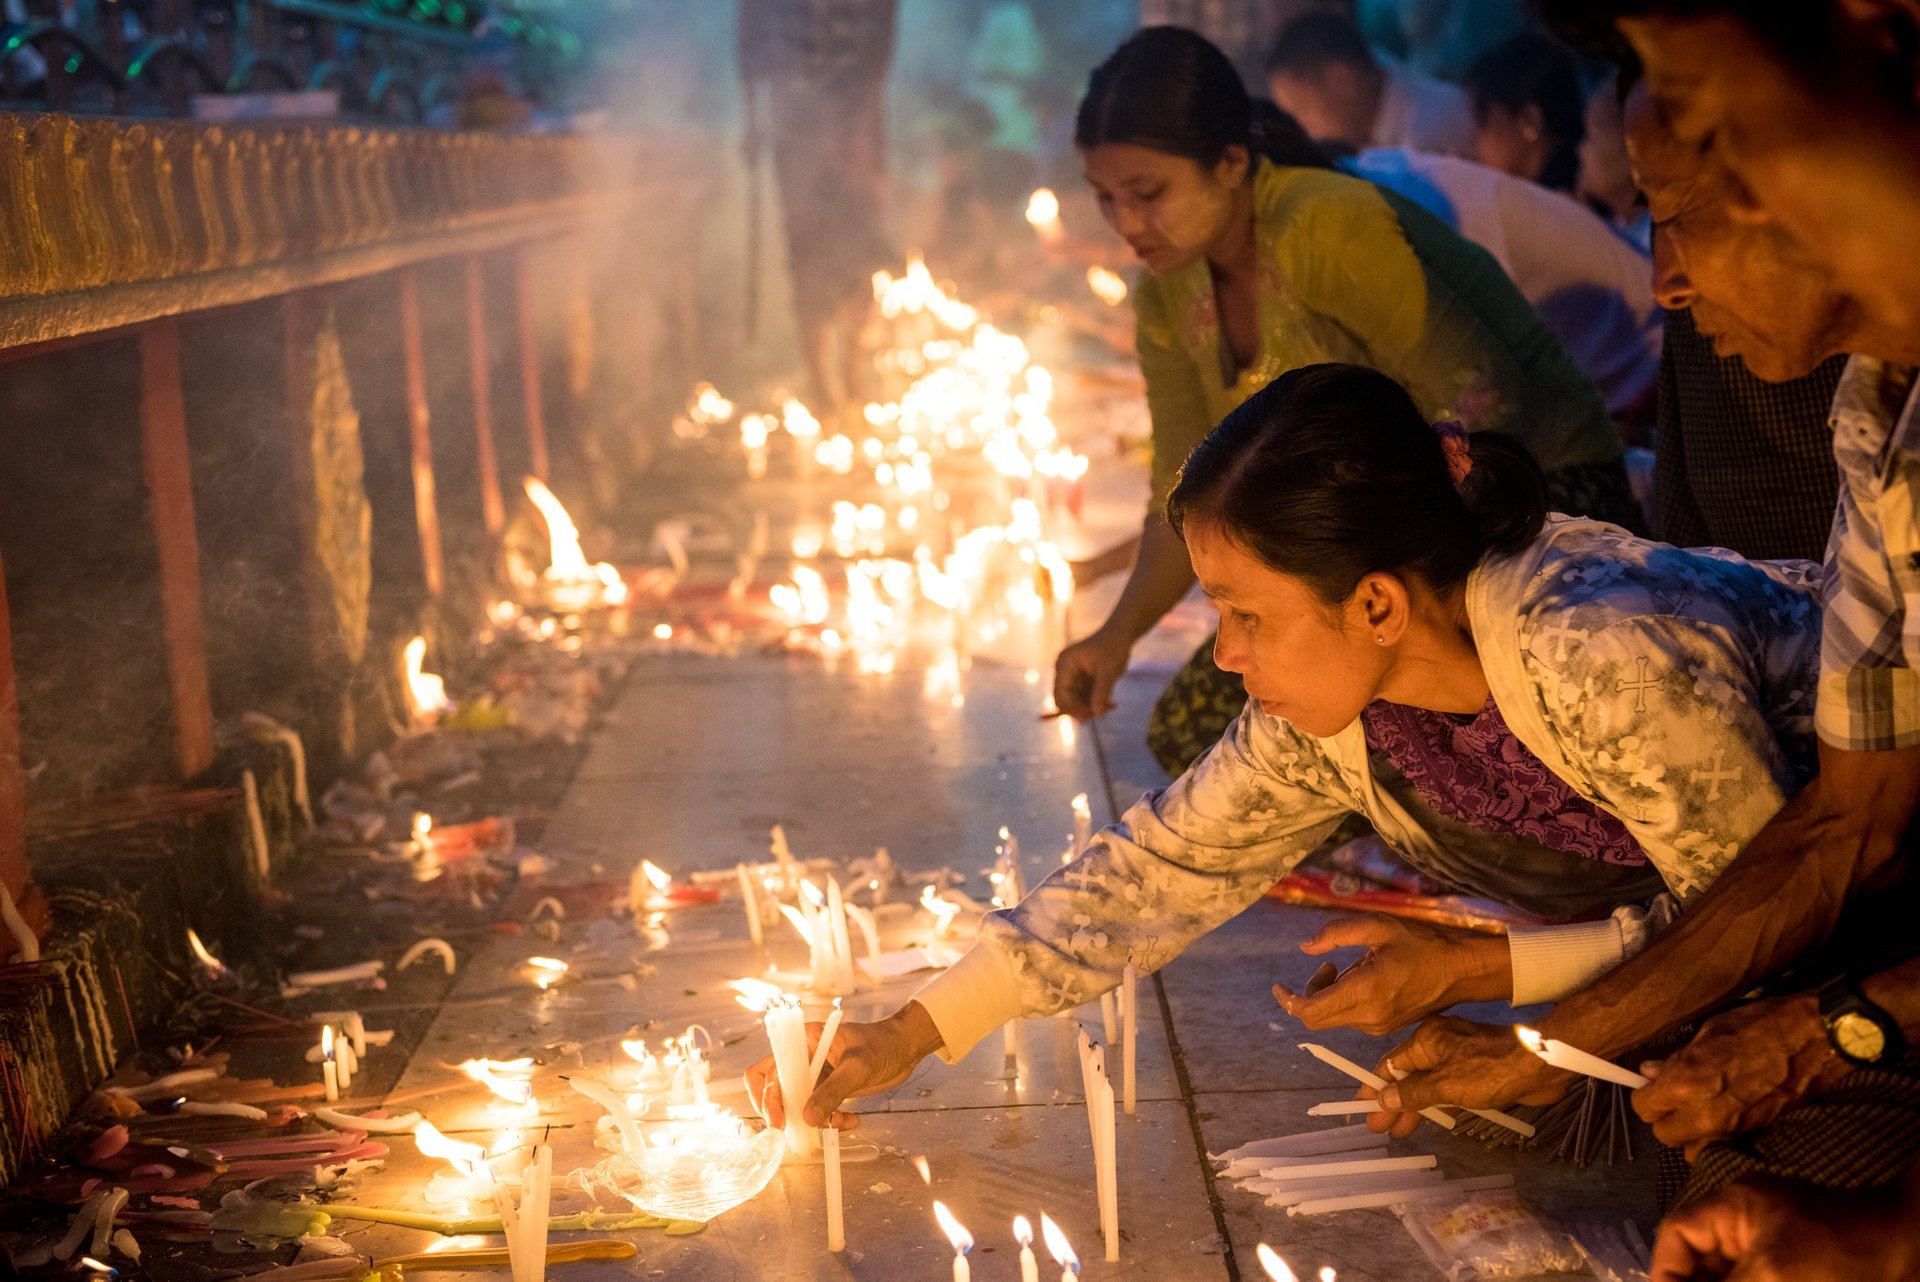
(1324,75)
(1781,1232)
(1589,286)
(1529,115)
(1606,183)
(1259,259)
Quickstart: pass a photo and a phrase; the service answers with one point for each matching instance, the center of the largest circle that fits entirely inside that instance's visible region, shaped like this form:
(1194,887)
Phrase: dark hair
(1330,473)
(1171,90)
(1532,70)
(1802,32)
(1314,41)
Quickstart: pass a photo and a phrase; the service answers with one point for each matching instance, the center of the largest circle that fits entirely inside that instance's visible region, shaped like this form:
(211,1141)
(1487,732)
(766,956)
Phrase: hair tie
(1455,444)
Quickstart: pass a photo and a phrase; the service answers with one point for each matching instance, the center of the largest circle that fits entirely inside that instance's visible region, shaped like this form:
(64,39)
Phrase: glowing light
(757,995)
(511,1080)
(1043,207)
(1057,1245)
(1276,1267)
(1110,287)
(799,420)
(468,1159)
(426,692)
(567,565)
(211,965)
(547,971)
(956,1231)
(656,874)
(926,1172)
(709,406)
(663,631)
(1530,1038)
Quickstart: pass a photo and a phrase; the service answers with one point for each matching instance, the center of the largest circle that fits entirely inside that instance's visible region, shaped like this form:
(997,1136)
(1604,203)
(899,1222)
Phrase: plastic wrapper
(695,1179)
(1485,1236)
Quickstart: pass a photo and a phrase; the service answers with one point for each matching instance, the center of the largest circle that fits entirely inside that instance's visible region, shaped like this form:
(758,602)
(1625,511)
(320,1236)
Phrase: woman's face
(1314,665)
(1509,141)
(1170,210)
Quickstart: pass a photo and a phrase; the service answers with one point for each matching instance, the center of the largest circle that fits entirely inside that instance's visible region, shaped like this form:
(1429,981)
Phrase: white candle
(1130,1015)
(1082,825)
(1335,1060)
(1388,1197)
(608,1098)
(869,935)
(1575,1060)
(750,904)
(329,1070)
(1110,1218)
(786,1027)
(842,945)
(958,1235)
(1355,1166)
(343,1054)
(1023,1233)
(836,1210)
(819,1060)
(1108,1018)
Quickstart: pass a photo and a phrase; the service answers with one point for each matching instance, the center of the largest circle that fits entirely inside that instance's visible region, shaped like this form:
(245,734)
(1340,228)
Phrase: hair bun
(1505,490)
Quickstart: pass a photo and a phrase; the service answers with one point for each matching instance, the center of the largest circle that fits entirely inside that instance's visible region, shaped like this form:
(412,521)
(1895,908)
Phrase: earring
(1380,639)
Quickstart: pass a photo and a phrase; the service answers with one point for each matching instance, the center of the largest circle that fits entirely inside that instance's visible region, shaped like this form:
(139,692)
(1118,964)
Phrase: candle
(1130,1051)
(1276,1268)
(608,1098)
(344,1061)
(1108,1018)
(1575,1060)
(958,1235)
(1389,1197)
(836,1208)
(1060,1249)
(1082,825)
(842,945)
(1110,1216)
(329,1070)
(786,1027)
(869,935)
(1023,1234)
(1335,1060)
(750,903)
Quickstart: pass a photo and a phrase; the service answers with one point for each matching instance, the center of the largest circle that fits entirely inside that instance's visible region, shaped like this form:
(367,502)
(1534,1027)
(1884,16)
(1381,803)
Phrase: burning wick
(427,692)
(210,966)
(926,1172)
(957,1234)
(1060,1249)
(329,1068)
(1023,1234)
(547,971)
(1276,1268)
(1043,213)
(1575,1060)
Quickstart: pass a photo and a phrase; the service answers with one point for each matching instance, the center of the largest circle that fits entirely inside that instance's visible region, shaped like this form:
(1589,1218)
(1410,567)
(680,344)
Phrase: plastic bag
(1486,1236)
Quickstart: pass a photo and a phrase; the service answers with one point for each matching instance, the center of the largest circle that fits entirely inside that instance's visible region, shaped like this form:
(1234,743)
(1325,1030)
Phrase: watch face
(1859,1037)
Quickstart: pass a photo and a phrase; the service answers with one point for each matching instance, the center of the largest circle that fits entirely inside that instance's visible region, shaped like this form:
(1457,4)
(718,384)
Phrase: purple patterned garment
(1477,771)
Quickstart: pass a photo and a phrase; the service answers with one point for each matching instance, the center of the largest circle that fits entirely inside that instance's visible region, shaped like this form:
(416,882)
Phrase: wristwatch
(1861,1032)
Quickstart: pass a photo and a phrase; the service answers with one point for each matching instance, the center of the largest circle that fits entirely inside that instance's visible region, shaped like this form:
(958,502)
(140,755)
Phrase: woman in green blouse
(1260,259)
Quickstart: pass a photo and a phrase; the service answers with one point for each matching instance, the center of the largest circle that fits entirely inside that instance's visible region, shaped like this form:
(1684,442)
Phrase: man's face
(1834,160)
(1752,287)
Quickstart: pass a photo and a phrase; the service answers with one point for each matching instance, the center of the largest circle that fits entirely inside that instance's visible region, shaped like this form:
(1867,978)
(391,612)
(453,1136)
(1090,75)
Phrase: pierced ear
(1236,162)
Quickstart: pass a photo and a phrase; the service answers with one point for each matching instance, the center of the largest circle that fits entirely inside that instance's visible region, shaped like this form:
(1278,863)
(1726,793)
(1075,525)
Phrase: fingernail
(1390,1099)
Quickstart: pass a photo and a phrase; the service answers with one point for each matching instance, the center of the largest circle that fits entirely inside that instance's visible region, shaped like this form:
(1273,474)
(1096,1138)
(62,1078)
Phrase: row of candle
(1098,1090)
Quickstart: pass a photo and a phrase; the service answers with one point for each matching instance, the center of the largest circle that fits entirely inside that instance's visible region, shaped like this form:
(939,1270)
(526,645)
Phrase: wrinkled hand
(1456,1061)
(1085,673)
(1410,970)
(864,1059)
(1773,1232)
(1744,1069)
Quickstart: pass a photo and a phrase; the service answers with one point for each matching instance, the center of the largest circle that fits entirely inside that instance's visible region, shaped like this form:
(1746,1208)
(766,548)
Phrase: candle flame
(1530,1039)
(214,967)
(469,1159)
(1327,1274)
(1057,1245)
(799,922)
(1043,207)
(1022,1230)
(507,1079)
(326,1042)
(709,406)
(566,563)
(637,1051)
(814,895)
(1080,807)
(1276,1267)
(656,874)
(757,995)
(1110,287)
(426,692)
(956,1232)
(926,1172)
(663,631)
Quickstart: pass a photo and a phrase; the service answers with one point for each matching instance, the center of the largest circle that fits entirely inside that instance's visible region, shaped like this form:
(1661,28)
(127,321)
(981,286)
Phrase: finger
(1651,1068)
(845,1081)
(767,1098)
(1349,932)
(1102,699)
(1327,1008)
(1404,1124)
(1327,973)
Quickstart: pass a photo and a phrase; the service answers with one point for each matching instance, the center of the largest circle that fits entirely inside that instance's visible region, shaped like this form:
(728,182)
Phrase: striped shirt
(1870,643)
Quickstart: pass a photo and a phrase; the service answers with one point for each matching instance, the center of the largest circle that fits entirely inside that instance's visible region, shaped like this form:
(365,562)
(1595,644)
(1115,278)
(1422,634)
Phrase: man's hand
(1772,1232)
(1411,970)
(1456,1061)
(1743,1070)
(864,1059)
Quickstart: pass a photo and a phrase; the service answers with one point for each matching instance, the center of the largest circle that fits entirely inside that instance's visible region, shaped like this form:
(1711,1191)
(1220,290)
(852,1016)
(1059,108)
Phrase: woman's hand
(1456,1061)
(864,1059)
(1410,970)
(1085,673)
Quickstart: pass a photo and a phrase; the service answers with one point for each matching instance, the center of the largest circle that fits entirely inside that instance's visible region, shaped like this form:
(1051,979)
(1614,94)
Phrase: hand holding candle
(1575,1060)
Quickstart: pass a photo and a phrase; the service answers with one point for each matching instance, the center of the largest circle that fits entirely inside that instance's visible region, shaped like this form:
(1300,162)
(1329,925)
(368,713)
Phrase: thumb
(846,1079)
(1651,1069)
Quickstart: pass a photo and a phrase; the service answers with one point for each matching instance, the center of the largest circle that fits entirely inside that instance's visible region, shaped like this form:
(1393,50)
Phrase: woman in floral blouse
(1548,711)
(1260,259)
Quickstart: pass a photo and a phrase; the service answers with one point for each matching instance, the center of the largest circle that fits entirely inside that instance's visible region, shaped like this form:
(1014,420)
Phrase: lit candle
(1575,1060)
(1060,1249)
(957,1234)
(750,903)
(329,1070)
(1276,1268)
(1082,825)
(1023,1234)
(1130,1015)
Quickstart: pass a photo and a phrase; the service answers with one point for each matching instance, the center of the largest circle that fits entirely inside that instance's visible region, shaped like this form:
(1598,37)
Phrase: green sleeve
(1176,402)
